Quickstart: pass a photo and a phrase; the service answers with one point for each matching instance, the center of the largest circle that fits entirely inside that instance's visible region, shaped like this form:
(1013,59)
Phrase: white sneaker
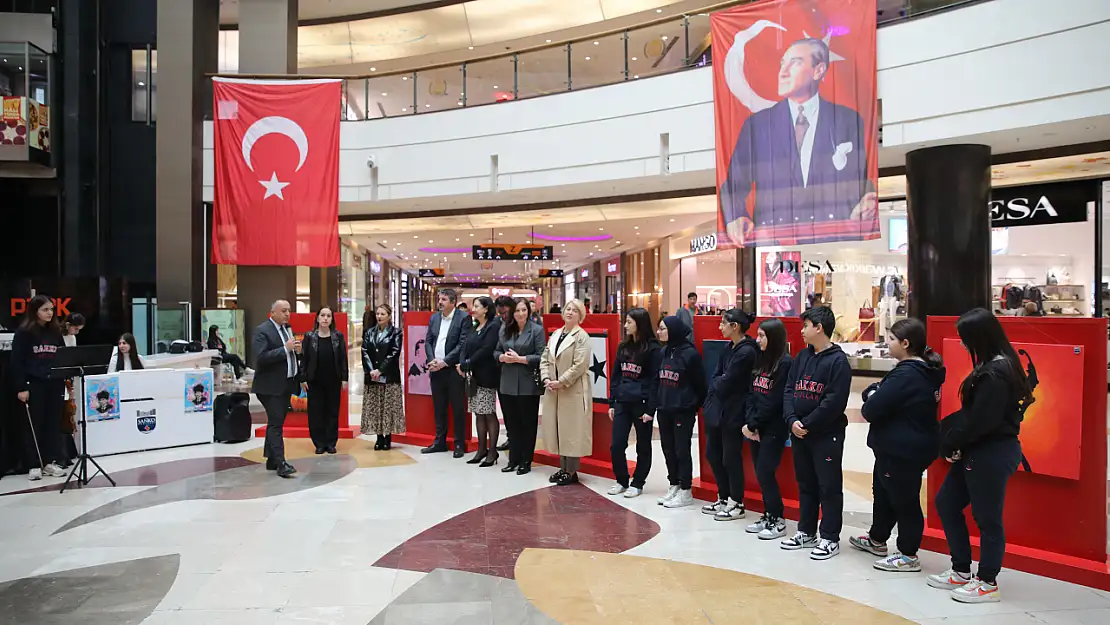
(616,489)
(53,470)
(948,580)
(715,507)
(774,528)
(732,511)
(685,497)
(824,550)
(757,527)
(977,591)
(800,540)
(899,563)
(633,492)
(34,475)
(671,492)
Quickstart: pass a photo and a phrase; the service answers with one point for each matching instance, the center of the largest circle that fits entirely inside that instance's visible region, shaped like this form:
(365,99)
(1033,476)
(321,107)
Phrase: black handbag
(537,380)
(471,385)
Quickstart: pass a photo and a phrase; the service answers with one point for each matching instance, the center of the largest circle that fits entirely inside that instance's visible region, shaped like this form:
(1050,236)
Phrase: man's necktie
(801,125)
(284,340)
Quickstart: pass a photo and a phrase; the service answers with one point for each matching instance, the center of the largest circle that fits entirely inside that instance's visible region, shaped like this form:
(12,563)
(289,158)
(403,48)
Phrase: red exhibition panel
(420,423)
(1079,554)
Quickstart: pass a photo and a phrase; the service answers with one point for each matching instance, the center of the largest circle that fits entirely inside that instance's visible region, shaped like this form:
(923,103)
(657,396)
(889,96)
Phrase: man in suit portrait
(807,160)
(448,329)
(275,353)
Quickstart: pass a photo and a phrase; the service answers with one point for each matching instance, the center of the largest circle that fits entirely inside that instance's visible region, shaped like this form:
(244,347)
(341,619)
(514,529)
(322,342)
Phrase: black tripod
(81,467)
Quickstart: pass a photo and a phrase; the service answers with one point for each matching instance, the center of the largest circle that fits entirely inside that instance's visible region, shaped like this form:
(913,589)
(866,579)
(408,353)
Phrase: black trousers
(675,432)
(724,449)
(277,408)
(522,418)
(236,363)
(625,417)
(449,394)
(323,413)
(45,404)
(766,456)
(818,467)
(897,488)
(979,480)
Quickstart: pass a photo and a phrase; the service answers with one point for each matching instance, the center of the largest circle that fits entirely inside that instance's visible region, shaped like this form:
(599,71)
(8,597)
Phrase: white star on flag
(273,186)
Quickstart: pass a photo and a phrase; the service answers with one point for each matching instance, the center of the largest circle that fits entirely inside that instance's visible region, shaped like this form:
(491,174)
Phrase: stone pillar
(267,45)
(949,261)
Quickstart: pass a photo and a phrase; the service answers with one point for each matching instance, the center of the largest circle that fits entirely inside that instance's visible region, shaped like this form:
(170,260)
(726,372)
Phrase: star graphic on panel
(273,186)
(598,368)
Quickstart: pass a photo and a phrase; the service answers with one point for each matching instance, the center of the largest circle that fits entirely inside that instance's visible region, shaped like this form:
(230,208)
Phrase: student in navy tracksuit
(980,442)
(905,436)
(813,406)
(682,389)
(632,397)
(724,416)
(765,427)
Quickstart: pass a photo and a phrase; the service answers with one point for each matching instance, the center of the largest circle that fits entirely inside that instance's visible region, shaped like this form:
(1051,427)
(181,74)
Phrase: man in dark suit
(447,331)
(275,380)
(807,159)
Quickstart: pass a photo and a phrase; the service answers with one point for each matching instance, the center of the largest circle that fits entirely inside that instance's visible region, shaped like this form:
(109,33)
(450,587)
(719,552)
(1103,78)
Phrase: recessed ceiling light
(587,58)
(471,234)
(672,219)
(427,106)
(548,41)
(550,226)
(404,109)
(495,86)
(417,236)
(470,48)
(635,76)
(635,59)
(596,43)
(373,69)
(564,244)
(664,37)
(456,238)
(601,228)
(384,94)
(658,10)
(500,233)
(635,227)
(460,103)
(404,77)
(618,242)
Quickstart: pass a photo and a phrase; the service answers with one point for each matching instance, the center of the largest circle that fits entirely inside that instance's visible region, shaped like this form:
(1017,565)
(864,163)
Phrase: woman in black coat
(479,366)
(383,412)
(325,371)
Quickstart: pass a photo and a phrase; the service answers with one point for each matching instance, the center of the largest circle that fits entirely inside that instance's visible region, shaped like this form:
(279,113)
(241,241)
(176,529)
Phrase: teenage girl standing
(765,428)
(682,389)
(632,396)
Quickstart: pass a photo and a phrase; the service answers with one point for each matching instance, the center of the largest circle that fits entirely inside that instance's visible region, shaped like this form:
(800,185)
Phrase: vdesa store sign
(1042,204)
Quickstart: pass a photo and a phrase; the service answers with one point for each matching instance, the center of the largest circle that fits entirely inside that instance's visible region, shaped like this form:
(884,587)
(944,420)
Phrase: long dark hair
(913,331)
(132,353)
(213,333)
(512,328)
(73,320)
(487,303)
(985,340)
(31,317)
(770,358)
(634,348)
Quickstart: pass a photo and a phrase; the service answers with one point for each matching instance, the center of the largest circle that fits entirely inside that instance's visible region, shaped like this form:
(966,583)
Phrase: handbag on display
(867,322)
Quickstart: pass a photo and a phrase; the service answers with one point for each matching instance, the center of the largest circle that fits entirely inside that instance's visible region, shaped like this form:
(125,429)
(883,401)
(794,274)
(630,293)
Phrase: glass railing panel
(542,72)
(489,81)
(598,61)
(658,49)
(38,74)
(439,89)
(391,96)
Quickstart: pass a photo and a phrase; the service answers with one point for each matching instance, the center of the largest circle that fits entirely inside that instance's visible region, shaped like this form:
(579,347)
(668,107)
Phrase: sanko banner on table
(797,122)
(277,172)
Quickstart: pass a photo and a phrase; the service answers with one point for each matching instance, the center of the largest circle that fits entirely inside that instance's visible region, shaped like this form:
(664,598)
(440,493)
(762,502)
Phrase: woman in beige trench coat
(568,400)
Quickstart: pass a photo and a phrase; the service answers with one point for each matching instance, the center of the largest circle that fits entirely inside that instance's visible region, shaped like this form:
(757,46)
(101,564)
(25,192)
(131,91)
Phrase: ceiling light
(587,58)
(635,59)
(597,43)
(550,226)
(460,103)
(672,219)
(618,242)
(635,227)
(601,228)
(427,106)
(548,41)
(564,244)
(664,37)
(456,239)
(495,86)
(373,69)
(404,109)
(658,10)
(470,48)
(500,233)
(142,84)
(635,76)
(384,94)
(404,77)
(471,234)
(417,236)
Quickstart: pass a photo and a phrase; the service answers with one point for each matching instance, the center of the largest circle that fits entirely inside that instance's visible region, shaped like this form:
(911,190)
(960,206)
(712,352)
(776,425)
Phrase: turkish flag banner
(277,172)
(796,111)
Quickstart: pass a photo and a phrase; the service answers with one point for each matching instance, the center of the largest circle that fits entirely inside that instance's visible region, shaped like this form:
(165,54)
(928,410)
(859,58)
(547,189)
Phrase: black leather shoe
(524,469)
(509,469)
(434,449)
(568,479)
(286,470)
(556,476)
(319,450)
(331,450)
(387,444)
(460,452)
(503,446)
(271,465)
(478,457)
(380,444)
(490,460)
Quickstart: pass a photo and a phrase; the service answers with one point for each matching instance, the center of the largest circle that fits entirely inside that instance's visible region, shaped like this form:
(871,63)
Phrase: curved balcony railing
(658,47)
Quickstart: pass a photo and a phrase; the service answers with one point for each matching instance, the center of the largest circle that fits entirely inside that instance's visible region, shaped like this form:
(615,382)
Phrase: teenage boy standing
(813,406)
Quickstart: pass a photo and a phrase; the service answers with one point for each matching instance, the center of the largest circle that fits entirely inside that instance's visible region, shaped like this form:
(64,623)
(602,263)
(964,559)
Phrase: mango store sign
(706,243)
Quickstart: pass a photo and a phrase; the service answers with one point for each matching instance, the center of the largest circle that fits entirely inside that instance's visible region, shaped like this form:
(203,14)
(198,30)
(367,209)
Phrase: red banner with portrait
(795,102)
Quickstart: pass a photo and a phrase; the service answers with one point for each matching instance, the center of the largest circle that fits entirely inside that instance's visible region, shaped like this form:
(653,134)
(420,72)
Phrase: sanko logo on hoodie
(809,389)
(670,377)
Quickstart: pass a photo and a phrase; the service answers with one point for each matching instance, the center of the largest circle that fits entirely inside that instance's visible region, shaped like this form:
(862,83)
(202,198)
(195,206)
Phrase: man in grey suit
(686,313)
(448,329)
(275,380)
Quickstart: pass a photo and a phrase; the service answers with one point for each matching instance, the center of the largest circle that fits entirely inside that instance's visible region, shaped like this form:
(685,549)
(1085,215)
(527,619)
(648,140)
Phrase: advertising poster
(418,381)
(599,367)
(797,122)
(780,291)
(230,325)
(101,398)
(25,122)
(198,391)
(1051,433)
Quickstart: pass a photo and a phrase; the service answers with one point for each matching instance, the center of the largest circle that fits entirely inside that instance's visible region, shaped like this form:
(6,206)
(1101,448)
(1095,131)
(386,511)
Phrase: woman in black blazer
(478,365)
(325,371)
(383,412)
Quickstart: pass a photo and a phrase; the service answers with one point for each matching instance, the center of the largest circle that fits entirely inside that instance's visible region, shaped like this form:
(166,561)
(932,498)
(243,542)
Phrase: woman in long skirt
(383,412)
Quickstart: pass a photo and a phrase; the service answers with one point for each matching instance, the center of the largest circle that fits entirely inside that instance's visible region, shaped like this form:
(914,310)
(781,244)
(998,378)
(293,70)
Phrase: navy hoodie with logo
(636,380)
(682,383)
(989,411)
(817,390)
(902,411)
(728,391)
(764,406)
(33,353)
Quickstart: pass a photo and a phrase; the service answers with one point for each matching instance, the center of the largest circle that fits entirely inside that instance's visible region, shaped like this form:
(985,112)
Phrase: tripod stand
(76,357)
(81,467)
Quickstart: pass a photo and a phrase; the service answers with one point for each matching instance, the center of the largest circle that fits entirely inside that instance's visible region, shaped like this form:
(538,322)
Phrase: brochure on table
(148,409)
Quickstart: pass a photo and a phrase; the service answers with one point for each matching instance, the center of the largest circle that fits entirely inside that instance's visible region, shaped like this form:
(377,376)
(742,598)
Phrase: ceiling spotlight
(427,106)
(456,238)
(672,219)
(471,234)
(618,242)
(417,236)
(404,109)
(460,103)
(596,43)
(587,58)
(373,69)
(470,47)
(635,227)
(404,77)
(635,76)
(495,86)
(550,226)
(601,228)
(635,59)
(664,37)
(500,233)
(658,10)
(548,41)
(384,94)
(142,84)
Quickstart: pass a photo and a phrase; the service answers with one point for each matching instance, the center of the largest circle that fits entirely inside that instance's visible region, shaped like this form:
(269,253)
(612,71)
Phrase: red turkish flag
(277,172)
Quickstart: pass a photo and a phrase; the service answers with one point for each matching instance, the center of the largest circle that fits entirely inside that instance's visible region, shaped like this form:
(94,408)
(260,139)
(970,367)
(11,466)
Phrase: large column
(949,263)
(267,45)
(746,267)
(188,33)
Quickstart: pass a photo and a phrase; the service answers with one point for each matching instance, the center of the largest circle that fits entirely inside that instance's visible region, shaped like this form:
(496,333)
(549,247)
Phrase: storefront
(705,269)
(352,286)
(643,281)
(613,287)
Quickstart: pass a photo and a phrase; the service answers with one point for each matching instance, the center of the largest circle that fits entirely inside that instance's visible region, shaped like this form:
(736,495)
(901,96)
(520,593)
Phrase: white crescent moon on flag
(734,67)
(275,125)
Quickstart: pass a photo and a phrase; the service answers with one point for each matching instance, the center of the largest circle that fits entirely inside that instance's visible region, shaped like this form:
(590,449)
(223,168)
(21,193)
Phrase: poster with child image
(198,391)
(101,397)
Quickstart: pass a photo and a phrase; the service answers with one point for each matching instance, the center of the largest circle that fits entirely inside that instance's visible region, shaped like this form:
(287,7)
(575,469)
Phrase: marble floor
(205,535)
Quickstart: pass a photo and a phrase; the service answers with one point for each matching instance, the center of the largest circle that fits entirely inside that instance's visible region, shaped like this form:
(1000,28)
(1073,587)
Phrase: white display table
(201,360)
(148,409)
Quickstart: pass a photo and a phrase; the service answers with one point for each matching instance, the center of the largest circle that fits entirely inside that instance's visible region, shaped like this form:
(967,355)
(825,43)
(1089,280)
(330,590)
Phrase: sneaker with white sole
(53,470)
(671,492)
(685,497)
(800,540)
(733,511)
(824,550)
(977,591)
(633,492)
(757,527)
(948,580)
(617,489)
(34,475)
(864,543)
(899,563)
(715,507)
(774,528)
